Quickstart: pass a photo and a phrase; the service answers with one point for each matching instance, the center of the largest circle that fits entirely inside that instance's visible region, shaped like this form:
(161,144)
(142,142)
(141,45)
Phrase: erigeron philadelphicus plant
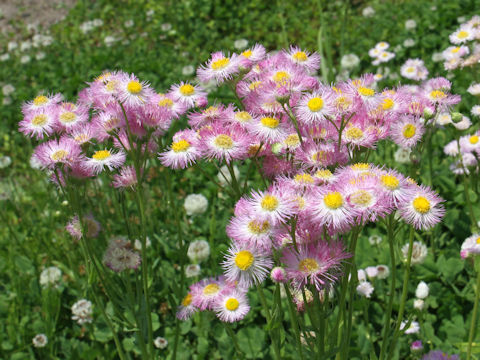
(310,142)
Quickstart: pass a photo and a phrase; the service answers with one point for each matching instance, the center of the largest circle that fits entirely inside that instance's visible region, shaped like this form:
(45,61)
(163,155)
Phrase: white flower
(4,57)
(409,43)
(474,89)
(422,290)
(382,271)
(192,270)
(34,163)
(8,89)
(412,329)
(410,24)
(476,110)
(224,176)
(128,23)
(109,40)
(138,244)
(40,340)
(368,11)
(365,289)
(371,271)
(150,13)
(349,61)
(166,27)
(25,45)
(362,275)
(40,55)
(461,19)
(463,124)
(25,59)
(374,239)
(418,304)
(437,57)
(12,45)
(402,156)
(7,101)
(50,276)
(195,204)
(240,44)
(82,311)
(5,161)
(97,22)
(198,251)
(188,70)
(160,342)
(419,252)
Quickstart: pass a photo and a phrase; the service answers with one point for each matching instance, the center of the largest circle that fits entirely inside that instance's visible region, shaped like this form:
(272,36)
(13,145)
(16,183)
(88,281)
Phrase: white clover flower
(422,290)
(409,43)
(82,311)
(166,27)
(192,270)
(474,89)
(188,70)
(195,204)
(7,100)
(240,44)
(410,24)
(40,55)
(109,40)
(402,156)
(365,289)
(224,176)
(25,45)
(97,22)
(375,239)
(8,89)
(50,276)
(25,59)
(382,271)
(476,110)
(198,251)
(40,340)
(437,57)
(137,245)
(12,45)
(4,57)
(418,304)
(371,271)
(349,61)
(128,23)
(5,161)
(419,252)
(368,11)
(160,342)
(412,329)
(150,13)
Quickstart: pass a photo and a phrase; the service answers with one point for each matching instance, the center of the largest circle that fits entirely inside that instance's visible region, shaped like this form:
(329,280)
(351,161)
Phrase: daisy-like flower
(53,152)
(224,143)
(82,311)
(309,62)
(102,158)
(421,207)
(246,266)
(132,92)
(471,246)
(219,67)
(70,116)
(317,263)
(474,89)
(269,129)
(126,178)
(365,289)
(407,131)
(313,108)
(38,122)
(183,152)
(186,308)
(248,229)
(414,69)
(41,102)
(385,56)
(324,176)
(206,292)
(462,35)
(273,206)
(393,184)
(187,93)
(231,306)
(253,54)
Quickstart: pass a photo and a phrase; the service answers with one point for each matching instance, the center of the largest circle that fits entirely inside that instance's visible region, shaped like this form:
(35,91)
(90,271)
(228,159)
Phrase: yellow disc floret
(211,289)
(281,77)
(361,198)
(354,133)
(387,104)
(258,227)
(223,141)
(366,91)
(300,56)
(186,89)
(333,200)
(220,63)
(243,116)
(102,155)
(269,203)
(462,34)
(409,131)
(247,53)
(437,94)
(40,100)
(134,87)
(187,300)
(315,104)
(232,304)
(308,265)
(473,139)
(421,205)
(244,259)
(59,155)
(180,146)
(390,182)
(39,120)
(270,122)
(292,140)
(166,102)
(67,117)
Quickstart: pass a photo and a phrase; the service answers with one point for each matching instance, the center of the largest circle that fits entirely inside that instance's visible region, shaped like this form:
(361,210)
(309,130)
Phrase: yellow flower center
(308,265)
(361,198)
(186,89)
(387,104)
(258,227)
(360,166)
(462,34)
(243,116)
(270,122)
(354,133)
(390,182)
(323,174)
(134,87)
(81,138)
(269,203)
(187,300)
(455,50)
(410,69)
(247,53)
(437,94)
(40,100)
(409,131)
(421,204)
(478,240)
(180,146)
(244,259)
(103,76)
(59,155)
(110,86)
(211,289)
(473,139)
(300,56)
(223,141)
(319,156)
(67,117)
(333,200)
(292,140)
(220,63)
(315,104)
(366,91)
(39,120)
(304,178)
(232,304)
(102,155)
(166,102)
(254,85)
(281,77)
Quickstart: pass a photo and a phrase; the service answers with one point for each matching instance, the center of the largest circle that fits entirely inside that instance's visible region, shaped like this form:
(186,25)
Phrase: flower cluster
(465,50)
(465,150)
(414,69)
(380,54)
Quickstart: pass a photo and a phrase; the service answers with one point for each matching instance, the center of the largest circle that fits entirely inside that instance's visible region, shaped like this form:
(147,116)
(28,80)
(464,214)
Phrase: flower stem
(475,310)
(269,322)
(293,319)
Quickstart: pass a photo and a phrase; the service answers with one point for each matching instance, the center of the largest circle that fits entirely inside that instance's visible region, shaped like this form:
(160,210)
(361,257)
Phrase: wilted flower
(40,340)
(402,155)
(5,161)
(198,251)
(195,204)
(82,311)
(382,271)
(160,342)
(349,61)
(50,276)
(119,256)
(418,304)
(419,252)
(368,11)
(192,270)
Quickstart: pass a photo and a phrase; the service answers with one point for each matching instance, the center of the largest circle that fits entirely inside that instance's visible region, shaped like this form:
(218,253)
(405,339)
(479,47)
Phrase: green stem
(269,322)
(234,339)
(293,319)
(474,315)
